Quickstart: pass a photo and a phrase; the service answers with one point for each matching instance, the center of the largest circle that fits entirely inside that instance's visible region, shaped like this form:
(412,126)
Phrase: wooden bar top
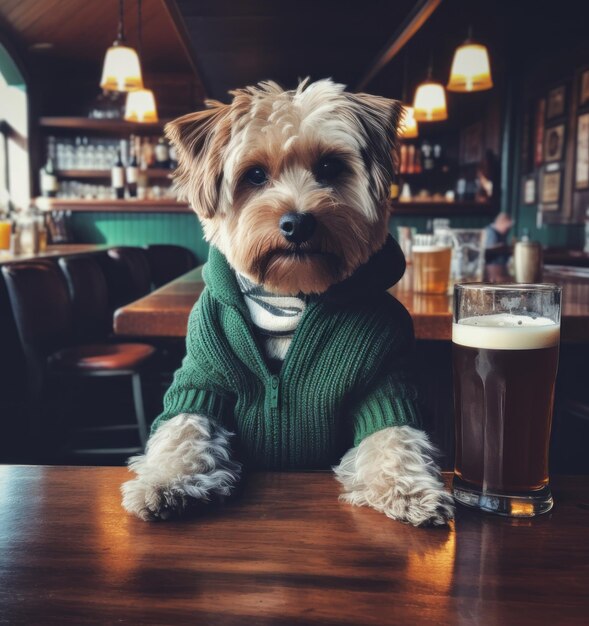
(164,312)
(53,252)
(284,552)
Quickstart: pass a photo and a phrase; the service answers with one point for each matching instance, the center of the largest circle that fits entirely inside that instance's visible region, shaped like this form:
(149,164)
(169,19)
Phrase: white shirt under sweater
(275,317)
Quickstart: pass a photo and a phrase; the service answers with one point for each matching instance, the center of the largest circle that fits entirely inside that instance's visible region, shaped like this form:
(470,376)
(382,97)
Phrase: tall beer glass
(505,356)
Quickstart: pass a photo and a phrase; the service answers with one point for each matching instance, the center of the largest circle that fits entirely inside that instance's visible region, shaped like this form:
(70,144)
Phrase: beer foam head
(429,248)
(506,331)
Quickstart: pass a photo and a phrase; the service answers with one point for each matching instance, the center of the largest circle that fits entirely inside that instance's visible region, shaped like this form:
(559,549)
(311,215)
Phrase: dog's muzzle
(297,227)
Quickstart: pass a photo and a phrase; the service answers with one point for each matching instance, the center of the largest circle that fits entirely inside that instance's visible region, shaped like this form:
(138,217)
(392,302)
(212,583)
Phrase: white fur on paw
(186,461)
(393,472)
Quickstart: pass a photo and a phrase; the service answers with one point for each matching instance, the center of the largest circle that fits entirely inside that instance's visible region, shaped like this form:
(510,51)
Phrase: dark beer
(504,373)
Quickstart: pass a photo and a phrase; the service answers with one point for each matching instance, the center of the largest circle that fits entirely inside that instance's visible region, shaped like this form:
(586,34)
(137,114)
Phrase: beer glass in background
(431,263)
(505,356)
(405,239)
(468,254)
(5,230)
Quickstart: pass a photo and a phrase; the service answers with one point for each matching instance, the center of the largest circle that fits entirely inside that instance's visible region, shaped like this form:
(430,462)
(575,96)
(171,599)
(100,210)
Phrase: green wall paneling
(140,229)
(183,229)
(570,236)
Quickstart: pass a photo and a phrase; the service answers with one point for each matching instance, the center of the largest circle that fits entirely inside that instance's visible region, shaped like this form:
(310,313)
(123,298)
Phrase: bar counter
(164,312)
(283,552)
(54,252)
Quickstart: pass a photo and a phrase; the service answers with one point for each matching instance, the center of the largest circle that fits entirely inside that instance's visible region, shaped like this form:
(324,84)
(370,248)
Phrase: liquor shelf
(152,172)
(101,125)
(441,207)
(159,205)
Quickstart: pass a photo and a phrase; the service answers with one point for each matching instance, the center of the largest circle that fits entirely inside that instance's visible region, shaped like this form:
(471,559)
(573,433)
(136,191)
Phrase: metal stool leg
(139,412)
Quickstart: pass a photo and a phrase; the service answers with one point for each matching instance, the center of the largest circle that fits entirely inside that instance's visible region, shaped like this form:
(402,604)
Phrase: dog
(294,345)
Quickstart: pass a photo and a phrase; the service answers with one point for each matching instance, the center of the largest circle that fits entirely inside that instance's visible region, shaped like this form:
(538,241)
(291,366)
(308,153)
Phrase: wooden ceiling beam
(412,23)
(184,39)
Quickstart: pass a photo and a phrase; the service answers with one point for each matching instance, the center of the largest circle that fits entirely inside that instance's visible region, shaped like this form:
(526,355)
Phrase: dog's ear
(200,139)
(379,120)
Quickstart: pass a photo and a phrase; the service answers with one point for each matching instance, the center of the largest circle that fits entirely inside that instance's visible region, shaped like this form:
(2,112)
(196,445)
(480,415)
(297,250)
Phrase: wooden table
(53,252)
(284,553)
(165,312)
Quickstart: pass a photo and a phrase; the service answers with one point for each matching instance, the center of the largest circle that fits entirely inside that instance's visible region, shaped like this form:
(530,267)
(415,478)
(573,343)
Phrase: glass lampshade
(430,103)
(471,70)
(121,70)
(408,127)
(140,107)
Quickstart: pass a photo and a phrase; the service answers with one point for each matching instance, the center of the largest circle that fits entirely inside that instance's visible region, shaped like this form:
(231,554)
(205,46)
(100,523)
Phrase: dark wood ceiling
(218,45)
(79,31)
(237,43)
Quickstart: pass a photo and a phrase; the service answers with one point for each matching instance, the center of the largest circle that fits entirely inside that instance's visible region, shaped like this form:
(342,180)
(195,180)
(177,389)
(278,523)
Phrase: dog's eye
(328,169)
(256,176)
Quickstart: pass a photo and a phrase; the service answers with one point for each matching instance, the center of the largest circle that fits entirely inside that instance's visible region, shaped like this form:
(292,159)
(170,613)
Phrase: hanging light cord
(139,29)
(405,74)
(121,20)
(430,69)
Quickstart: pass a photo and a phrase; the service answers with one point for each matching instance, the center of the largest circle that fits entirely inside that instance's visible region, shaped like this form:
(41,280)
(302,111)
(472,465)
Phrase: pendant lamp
(408,128)
(429,103)
(140,106)
(471,70)
(121,70)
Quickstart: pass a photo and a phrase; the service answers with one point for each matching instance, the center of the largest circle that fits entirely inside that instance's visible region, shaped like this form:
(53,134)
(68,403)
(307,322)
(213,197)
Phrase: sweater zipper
(274,391)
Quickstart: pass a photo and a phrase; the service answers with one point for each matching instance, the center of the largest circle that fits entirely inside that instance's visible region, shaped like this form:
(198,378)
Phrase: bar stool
(133,276)
(42,309)
(167,262)
(88,292)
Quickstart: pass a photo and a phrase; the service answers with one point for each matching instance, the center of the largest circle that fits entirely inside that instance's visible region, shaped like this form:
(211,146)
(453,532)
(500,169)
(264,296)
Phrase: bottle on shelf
(410,169)
(48,179)
(403,160)
(173,164)
(162,153)
(427,158)
(117,174)
(147,156)
(132,171)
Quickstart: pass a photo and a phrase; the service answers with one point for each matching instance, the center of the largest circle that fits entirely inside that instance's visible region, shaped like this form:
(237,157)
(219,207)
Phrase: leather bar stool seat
(43,310)
(168,261)
(122,356)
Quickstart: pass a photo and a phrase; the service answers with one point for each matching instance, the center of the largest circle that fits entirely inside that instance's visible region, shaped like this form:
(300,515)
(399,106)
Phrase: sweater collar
(384,269)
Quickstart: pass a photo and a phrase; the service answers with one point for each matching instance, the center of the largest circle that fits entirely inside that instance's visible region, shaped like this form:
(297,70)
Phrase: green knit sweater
(342,379)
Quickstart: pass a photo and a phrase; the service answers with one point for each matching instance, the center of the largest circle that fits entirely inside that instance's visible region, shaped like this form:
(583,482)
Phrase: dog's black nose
(297,227)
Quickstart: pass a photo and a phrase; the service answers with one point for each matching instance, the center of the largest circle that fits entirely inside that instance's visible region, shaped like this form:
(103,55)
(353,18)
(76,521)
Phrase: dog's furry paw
(150,502)
(393,472)
(161,502)
(430,507)
(187,461)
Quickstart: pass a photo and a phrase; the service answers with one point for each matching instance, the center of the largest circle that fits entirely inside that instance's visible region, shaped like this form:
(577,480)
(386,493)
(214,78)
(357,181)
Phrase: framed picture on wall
(556,102)
(584,88)
(554,143)
(582,152)
(550,190)
(539,132)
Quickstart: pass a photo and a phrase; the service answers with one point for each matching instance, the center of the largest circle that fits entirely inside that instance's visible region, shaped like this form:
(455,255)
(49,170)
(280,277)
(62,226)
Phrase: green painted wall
(571,236)
(139,229)
(183,229)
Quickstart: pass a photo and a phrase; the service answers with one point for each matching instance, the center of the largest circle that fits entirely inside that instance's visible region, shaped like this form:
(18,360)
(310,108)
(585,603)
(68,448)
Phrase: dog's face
(291,186)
